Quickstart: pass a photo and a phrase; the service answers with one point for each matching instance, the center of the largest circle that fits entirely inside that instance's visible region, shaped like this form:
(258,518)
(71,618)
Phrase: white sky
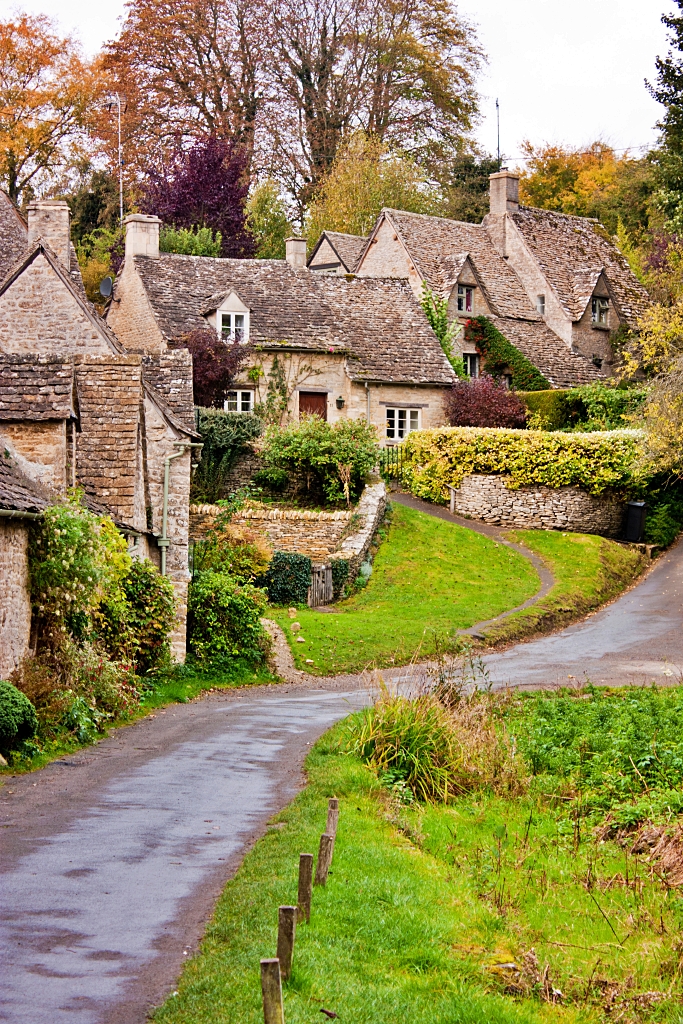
(565,71)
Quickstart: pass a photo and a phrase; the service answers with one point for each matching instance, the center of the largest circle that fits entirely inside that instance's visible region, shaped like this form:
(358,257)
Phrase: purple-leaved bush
(215,364)
(483,402)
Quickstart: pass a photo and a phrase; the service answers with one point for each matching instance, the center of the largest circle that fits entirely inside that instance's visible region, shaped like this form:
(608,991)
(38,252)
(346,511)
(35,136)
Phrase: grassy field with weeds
(548,888)
(430,578)
(588,570)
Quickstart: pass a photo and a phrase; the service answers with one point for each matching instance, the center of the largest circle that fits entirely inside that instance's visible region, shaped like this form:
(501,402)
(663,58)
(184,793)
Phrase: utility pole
(498,126)
(116,99)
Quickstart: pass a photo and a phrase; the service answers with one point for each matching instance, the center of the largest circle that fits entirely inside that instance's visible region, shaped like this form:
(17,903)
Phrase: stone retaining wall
(538,507)
(370,511)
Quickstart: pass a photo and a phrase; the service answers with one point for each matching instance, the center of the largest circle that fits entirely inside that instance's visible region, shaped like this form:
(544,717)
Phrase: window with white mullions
(400,422)
(470,361)
(239,401)
(465,298)
(234,327)
(600,310)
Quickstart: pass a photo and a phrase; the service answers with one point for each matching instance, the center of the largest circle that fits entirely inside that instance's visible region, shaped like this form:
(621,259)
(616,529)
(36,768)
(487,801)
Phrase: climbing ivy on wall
(501,356)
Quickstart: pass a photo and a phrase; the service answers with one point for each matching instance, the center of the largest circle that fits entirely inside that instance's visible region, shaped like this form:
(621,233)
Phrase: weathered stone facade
(15,605)
(539,507)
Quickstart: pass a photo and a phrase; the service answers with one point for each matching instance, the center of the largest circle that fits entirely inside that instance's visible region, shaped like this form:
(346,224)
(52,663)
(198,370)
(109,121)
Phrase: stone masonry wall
(43,443)
(370,511)
(538,507)
(15,606)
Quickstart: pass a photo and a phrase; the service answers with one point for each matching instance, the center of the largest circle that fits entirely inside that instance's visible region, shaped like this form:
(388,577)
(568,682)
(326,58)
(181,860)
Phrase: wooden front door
(312,402)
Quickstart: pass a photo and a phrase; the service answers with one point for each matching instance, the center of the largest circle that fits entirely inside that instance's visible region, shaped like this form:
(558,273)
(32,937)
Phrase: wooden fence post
(332,816)
(286,934)
(324,858)
(271,987)
(305,886)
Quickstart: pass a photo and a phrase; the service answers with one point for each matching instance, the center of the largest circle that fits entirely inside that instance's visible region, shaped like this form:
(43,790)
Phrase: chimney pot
(295,249)
(142,235)
(504,192)
(50,220)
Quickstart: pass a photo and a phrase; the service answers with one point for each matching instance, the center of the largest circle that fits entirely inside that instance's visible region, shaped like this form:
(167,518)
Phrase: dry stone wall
(538,507)
(15,606)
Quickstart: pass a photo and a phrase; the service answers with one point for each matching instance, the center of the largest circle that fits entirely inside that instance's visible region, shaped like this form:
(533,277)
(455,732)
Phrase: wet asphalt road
(112,860)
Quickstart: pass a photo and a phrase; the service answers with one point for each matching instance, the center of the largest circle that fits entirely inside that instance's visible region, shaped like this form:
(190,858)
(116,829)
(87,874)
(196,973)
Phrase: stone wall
(43,443)
(538,507)
(15,606)
(370,512)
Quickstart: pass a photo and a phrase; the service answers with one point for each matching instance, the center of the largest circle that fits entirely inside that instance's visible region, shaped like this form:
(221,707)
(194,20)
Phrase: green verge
(430,578)
(588,570)
(426,904)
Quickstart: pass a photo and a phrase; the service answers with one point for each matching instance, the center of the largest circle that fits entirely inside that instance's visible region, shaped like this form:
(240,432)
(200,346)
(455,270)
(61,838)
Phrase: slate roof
(558,364)
(572,252)
(375,321)
(347,247)
(35,387)
(436,246)
(170,377)
(17,492)
(13,235)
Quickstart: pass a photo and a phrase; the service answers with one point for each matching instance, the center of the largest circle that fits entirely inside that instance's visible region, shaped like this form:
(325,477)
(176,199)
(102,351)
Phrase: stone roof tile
(549,354)
(13,235)
(17,492)
(35,387)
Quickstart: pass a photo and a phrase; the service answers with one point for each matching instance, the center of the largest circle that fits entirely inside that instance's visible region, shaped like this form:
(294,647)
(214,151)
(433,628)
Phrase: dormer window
(234,327)
(600,310)
(471,363)
(540,304)
(465,298)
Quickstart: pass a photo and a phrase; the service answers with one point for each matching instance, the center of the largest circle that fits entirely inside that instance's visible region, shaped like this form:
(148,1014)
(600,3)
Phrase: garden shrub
(332,459)
(224,618)
(150,615)
(340,576)
(224,435)
(483,402)
(596,406)
(227,547)
(548,409)
(433,460)
(501,356)
(18,720)
(288,578)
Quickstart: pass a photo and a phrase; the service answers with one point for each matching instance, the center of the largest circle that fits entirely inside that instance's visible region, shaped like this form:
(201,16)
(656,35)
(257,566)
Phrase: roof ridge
(559,213)
(431,216)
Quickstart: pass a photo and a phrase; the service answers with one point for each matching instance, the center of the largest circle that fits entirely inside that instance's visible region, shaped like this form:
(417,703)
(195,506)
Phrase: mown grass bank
(588,570)
(430,578)
(492,908)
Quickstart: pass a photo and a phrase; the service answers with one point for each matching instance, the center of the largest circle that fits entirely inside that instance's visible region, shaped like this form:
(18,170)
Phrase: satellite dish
(106,287)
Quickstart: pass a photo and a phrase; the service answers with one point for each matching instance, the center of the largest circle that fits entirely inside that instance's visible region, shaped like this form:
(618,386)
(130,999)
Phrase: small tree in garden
(483,402)
(204,187)
(215,364)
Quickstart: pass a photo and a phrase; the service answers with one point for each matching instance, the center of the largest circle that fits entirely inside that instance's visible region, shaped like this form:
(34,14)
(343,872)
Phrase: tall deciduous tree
(45,89)
(668,89)
(205,186)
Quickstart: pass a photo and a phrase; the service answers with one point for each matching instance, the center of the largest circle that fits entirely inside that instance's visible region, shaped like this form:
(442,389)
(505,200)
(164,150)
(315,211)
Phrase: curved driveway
(112,859)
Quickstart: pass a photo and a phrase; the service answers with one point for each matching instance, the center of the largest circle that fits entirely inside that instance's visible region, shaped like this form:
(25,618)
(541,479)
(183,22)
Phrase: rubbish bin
(635,521)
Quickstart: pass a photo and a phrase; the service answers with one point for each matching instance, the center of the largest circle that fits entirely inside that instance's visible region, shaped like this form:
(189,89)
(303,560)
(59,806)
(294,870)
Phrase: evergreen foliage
(288,578)
(436,311)
(18,720)
(224,435)
(224,619)
(500,356)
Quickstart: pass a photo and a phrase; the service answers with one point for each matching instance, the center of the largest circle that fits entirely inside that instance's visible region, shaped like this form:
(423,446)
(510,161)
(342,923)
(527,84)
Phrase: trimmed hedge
(18,720)
(288,578)
(500,355)
(597,462)
(551,405)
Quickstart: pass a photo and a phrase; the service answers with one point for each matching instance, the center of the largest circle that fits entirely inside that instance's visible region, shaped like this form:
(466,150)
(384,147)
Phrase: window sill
(601,327)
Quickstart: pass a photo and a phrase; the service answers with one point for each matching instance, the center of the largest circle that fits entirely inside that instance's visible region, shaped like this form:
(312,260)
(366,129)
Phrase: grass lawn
(472,912)
(589,570)
(430,578)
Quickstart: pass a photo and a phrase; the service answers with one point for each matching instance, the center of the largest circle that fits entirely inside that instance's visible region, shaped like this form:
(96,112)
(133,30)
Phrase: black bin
(635,521)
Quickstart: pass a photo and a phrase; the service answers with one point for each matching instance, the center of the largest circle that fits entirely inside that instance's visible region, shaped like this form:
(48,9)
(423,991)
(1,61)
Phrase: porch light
(340,402)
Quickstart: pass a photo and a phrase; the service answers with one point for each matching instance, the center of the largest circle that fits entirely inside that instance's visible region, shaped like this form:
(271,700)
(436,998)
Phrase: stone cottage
(556,286)
(323,343)
(78,410)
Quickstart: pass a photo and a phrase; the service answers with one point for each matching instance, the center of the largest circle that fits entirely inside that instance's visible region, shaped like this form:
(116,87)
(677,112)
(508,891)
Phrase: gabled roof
(571,251)
(347,247)
(558,364)
(376,322)
(35,387)
(432,243)
(13,235)
(41,248)
(17,492)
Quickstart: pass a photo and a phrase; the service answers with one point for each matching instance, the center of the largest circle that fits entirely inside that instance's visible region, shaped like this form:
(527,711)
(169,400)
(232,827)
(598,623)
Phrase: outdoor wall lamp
(340,402)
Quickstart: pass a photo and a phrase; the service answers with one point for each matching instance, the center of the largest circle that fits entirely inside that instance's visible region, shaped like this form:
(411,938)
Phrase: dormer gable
(229,316)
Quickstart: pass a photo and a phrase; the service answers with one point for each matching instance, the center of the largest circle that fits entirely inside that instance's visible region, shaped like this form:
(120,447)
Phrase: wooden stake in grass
(332,819)
(305,886)
(324,858)
(286,934)
(271,987)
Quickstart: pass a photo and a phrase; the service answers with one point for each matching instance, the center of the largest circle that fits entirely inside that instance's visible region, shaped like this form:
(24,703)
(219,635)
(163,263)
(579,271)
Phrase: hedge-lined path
(494,533)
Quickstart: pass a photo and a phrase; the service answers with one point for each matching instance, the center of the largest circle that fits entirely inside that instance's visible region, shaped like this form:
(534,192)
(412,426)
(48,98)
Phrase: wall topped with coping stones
(538,507)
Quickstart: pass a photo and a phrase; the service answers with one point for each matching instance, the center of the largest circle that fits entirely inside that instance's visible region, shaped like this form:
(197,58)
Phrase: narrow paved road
(112,859)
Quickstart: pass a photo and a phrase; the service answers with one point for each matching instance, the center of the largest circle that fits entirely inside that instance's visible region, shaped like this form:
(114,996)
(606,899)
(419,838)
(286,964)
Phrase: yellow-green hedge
(438,459)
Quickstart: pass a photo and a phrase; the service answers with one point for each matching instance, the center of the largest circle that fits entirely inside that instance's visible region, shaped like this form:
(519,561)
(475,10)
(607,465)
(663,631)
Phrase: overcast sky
(563,71)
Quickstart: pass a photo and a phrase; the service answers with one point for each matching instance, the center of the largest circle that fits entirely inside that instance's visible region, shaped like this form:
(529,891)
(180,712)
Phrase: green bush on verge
(224,618)
(288,578)
(18,720)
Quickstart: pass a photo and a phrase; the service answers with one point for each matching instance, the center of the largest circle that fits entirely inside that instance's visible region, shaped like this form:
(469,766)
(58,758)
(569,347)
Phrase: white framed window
(239,401)
(600,310)
(540,304)
(400,422)
(465,298)
(471,363)
(234,327)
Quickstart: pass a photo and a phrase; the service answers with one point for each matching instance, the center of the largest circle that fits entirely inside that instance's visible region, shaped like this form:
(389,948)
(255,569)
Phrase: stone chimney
(50,220)
(142,235)
(296,252)
(504,192)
